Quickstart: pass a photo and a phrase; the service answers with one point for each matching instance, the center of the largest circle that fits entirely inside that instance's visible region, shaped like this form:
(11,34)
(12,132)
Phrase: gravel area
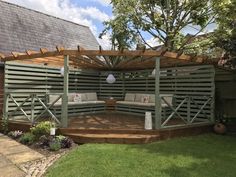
(38,168)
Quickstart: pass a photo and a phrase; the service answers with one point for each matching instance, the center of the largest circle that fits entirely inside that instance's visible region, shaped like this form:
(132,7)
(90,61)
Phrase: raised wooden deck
(112,127)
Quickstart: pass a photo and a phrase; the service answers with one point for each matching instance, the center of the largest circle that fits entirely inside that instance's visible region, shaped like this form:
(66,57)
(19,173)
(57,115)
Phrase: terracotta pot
(219,128)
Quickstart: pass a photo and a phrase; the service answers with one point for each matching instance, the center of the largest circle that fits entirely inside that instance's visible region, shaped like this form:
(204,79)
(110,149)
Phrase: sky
(91,13)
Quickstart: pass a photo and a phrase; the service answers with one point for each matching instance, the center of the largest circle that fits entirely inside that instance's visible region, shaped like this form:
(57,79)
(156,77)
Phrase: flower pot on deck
(220,128)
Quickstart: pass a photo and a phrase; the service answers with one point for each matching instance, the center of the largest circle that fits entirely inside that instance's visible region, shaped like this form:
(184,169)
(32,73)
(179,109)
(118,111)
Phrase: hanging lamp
(110,79)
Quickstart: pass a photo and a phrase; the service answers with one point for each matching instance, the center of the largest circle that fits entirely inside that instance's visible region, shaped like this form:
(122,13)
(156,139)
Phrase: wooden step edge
(105,131)
(114,140)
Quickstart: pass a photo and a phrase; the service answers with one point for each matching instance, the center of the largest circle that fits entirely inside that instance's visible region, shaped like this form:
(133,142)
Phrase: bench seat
(135,106)
(86,104)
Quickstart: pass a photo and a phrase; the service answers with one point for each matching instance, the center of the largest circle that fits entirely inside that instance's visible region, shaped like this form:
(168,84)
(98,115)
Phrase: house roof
(23,28)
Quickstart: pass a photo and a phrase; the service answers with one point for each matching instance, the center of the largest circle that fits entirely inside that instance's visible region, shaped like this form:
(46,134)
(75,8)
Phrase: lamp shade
(110,79)
(153,72)
(62,71)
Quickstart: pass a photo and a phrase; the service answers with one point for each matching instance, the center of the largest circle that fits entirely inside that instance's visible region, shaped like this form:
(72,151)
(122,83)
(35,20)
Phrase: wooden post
(189,110)
(157,95)
(32,108)
(5,106)
(64,114)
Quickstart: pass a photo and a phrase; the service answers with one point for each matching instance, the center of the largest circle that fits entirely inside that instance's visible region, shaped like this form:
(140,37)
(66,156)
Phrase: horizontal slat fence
(22,80)
(196,82)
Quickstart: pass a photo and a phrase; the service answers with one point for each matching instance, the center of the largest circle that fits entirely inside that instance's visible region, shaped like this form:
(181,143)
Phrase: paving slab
(12,154)
(23,157)
(11,171)
(14,149)
(4,161)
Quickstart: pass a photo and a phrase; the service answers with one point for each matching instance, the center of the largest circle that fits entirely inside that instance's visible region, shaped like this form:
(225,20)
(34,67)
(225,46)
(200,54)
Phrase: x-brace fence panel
(30,99)
(189,103)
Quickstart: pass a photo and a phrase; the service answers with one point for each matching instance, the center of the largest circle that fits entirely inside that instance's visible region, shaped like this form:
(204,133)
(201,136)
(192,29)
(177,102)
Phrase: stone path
(13,155)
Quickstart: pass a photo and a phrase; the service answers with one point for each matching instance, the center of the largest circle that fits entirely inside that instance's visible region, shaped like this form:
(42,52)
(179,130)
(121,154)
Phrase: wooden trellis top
(106,59)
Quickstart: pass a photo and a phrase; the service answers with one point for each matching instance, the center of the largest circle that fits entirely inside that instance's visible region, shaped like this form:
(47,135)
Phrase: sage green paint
(64,115)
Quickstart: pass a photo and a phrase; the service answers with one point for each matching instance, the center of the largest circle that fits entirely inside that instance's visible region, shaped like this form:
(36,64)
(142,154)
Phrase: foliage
(45,141)
(55,145)
(66,142)
(203,46)
(4,125)
(197,156)
(27,138)
(225,37)
(15,134)
(43,128)
(162,20)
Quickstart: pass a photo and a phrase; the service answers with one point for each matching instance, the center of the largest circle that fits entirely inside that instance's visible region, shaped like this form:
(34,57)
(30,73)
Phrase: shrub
(43,128)
(45,140)
(27,138)
(54,145)
(66,142)
(15,134)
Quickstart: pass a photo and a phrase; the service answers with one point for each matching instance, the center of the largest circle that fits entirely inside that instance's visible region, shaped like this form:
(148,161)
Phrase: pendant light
(110,79)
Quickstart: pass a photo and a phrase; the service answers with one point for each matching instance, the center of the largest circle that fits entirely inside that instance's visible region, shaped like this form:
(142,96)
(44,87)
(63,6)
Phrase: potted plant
(219,126)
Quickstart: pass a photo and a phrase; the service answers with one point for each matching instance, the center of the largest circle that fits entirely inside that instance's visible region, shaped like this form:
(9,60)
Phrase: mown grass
(199,156)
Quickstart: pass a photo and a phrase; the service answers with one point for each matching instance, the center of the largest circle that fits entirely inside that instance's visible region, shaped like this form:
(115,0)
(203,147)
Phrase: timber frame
(104,60)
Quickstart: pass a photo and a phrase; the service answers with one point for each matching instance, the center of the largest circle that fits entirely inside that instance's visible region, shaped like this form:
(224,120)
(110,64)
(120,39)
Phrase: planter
(220,128)
(52,131)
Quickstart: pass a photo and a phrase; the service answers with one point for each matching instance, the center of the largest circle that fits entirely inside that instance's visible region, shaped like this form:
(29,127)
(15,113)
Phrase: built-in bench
(78,104)
(138,104)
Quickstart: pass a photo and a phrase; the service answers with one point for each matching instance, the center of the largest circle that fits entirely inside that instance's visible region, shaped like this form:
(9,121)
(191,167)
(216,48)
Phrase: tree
(225,35)
(164,20)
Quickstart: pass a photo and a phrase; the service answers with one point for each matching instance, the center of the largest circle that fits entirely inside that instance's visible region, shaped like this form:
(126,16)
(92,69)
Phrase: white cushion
(71,97)
(129,97)
(138,97)
(168,98)
(152,98)
(52,98)
(92,96)
(79,97)
(145,98)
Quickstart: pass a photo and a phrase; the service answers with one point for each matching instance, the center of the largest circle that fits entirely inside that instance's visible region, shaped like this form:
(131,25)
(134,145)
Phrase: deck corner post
(5,106)
(64,114)
(157,95)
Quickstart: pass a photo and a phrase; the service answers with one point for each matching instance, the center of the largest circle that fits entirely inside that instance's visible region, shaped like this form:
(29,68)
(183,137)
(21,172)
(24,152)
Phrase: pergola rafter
(107,59)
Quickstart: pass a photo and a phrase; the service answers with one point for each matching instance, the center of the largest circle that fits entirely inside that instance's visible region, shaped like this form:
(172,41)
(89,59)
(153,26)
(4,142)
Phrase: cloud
(103,2)
(65,9)
(153,42)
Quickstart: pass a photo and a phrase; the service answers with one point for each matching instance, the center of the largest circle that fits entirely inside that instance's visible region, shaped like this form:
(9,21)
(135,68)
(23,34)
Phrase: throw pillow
(145,99)
(78,98)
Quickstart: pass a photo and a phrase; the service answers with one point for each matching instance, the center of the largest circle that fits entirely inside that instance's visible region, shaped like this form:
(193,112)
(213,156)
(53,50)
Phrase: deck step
(82,138)
(108,131)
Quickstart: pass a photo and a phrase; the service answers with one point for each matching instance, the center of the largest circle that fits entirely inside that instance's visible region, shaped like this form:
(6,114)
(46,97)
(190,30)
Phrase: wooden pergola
(109,60)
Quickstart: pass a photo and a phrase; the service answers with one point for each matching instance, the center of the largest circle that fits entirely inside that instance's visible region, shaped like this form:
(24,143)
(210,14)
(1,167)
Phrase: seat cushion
(71,97)
(138,97)
(129,97)
(52,98)
(80,97)
(92,96)
(152,98)
(145,98)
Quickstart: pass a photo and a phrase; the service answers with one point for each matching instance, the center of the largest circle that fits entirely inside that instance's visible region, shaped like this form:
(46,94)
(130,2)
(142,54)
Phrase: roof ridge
(16,5)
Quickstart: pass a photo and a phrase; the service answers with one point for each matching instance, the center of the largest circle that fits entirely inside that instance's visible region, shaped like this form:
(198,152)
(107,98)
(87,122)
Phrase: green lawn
(198,156)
